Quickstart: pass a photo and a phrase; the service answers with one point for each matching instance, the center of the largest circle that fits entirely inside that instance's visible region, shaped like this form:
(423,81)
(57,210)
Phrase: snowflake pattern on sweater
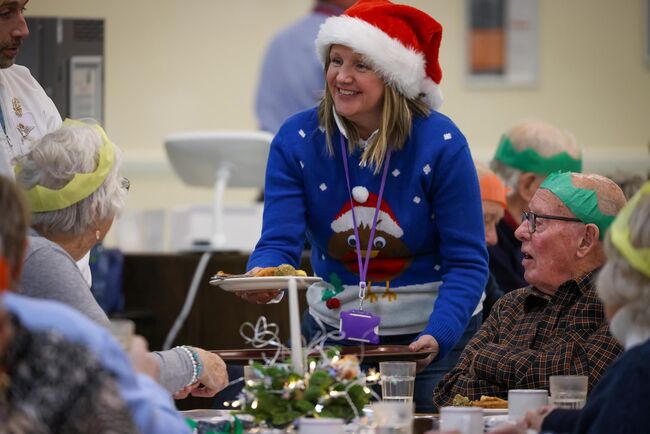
(429,246)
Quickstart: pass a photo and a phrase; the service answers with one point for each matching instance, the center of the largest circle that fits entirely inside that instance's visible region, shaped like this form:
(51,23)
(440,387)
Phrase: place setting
(314,388)
(268,279)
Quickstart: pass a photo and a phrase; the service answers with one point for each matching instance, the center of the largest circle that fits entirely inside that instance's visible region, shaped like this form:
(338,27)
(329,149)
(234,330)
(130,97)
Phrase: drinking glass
(123,331)
(397,381)
(392,417)
(324,425)
(467,420)
(521,401)
(569,391)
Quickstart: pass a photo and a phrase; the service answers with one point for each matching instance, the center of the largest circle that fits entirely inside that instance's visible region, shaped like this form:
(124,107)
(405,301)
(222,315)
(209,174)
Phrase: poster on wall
(502,42)
(86,88)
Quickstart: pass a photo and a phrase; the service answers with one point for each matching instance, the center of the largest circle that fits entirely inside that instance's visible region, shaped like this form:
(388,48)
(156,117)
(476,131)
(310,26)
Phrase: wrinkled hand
(453,431)
(535,418)
(143,361)
(258,297)
(213,378)
(510,428)
(532,421)
(425,343)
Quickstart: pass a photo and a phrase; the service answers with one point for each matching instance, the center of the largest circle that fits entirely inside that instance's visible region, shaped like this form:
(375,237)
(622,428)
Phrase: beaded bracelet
(197,366)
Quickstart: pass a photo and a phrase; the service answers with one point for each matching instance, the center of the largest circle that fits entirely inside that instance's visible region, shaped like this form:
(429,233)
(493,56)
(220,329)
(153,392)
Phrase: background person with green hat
(526,154)
(556,325)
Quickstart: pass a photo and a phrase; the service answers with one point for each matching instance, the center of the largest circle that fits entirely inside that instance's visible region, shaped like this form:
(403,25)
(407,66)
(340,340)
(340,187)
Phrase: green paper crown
(582,202)
(529,160)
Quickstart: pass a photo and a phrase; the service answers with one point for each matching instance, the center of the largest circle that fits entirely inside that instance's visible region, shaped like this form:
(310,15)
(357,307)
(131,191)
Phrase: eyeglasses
(125,183)
(531,218)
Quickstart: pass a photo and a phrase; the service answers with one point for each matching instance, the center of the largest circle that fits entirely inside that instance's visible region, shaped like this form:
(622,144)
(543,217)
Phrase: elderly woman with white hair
(73,185)
(619,402)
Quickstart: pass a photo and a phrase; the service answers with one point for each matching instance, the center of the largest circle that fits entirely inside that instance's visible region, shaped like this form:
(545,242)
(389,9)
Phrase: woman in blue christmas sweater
(385,190)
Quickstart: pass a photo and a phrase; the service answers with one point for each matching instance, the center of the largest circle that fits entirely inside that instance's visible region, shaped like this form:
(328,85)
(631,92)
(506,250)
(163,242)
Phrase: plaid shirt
(530,336)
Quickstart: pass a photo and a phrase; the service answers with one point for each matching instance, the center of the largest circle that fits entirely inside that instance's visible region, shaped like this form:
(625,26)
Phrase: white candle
(294,323)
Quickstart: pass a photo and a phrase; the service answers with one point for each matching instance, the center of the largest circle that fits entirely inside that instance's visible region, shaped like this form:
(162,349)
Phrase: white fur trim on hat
(364,216)
(401,66)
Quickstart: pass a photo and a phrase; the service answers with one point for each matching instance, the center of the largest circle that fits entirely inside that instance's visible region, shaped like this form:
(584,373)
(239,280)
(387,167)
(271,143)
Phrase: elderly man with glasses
(556,325)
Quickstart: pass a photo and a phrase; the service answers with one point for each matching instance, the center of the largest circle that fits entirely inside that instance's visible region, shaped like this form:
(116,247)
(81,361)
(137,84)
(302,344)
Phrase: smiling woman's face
(357,90)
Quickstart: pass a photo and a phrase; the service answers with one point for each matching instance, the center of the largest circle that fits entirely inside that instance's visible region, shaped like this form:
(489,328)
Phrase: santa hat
(364,211)
(400,42)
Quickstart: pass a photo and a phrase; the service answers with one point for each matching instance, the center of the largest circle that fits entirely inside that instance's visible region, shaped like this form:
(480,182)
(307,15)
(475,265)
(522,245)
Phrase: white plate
(491,422)
(495,411)
(271,283)
(207,414)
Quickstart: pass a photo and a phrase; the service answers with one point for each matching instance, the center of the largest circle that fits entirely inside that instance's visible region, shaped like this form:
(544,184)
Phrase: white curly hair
(54,160)
(619,284)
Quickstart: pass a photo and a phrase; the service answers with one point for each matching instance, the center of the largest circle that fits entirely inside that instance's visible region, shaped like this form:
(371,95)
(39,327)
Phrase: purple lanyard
(363,266)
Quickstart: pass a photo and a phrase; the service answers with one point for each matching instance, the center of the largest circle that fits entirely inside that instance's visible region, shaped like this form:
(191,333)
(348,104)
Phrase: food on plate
(266,272)
(281,270)
(490,402)
(484,402)
(461,401)
(288,270)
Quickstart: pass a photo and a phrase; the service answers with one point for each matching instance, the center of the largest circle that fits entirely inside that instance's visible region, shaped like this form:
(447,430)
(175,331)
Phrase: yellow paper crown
(638,257)
(82,185)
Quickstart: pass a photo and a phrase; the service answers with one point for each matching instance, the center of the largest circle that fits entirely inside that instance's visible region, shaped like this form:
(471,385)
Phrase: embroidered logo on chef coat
(24,121)
(26,125)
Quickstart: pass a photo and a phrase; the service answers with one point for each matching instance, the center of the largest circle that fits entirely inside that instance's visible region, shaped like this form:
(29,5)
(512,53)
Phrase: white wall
(175,65)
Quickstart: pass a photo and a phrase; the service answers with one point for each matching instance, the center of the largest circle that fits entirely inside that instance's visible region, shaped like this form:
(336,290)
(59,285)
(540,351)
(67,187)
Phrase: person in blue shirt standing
(384,188)
(291,78)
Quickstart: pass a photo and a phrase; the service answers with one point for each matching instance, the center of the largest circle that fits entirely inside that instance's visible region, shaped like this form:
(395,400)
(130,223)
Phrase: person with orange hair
(493,198)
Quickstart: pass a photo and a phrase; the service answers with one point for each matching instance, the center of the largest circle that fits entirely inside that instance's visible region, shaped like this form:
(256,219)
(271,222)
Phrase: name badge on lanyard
(357,324)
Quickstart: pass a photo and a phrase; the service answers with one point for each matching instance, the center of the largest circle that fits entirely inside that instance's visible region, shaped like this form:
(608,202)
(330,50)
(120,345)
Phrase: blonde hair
(394,127)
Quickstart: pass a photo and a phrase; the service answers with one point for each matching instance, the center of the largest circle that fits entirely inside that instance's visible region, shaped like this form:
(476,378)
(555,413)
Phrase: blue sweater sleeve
(459,216)
(284,221)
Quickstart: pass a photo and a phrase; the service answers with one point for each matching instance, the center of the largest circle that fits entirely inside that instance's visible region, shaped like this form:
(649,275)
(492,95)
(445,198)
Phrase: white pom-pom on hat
(360,194)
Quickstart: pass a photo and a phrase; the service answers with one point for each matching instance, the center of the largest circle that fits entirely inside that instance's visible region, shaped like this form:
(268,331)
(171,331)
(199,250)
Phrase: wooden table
(155,286)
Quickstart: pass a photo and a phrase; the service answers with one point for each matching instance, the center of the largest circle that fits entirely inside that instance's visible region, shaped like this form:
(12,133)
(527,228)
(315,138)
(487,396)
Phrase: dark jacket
(505,256)
(618,403)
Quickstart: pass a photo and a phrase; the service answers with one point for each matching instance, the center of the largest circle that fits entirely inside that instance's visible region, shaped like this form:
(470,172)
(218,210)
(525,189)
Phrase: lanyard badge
(357,324)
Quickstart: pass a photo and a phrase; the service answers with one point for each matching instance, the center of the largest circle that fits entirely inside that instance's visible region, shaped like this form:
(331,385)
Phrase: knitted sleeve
(459,217)
(284,221)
